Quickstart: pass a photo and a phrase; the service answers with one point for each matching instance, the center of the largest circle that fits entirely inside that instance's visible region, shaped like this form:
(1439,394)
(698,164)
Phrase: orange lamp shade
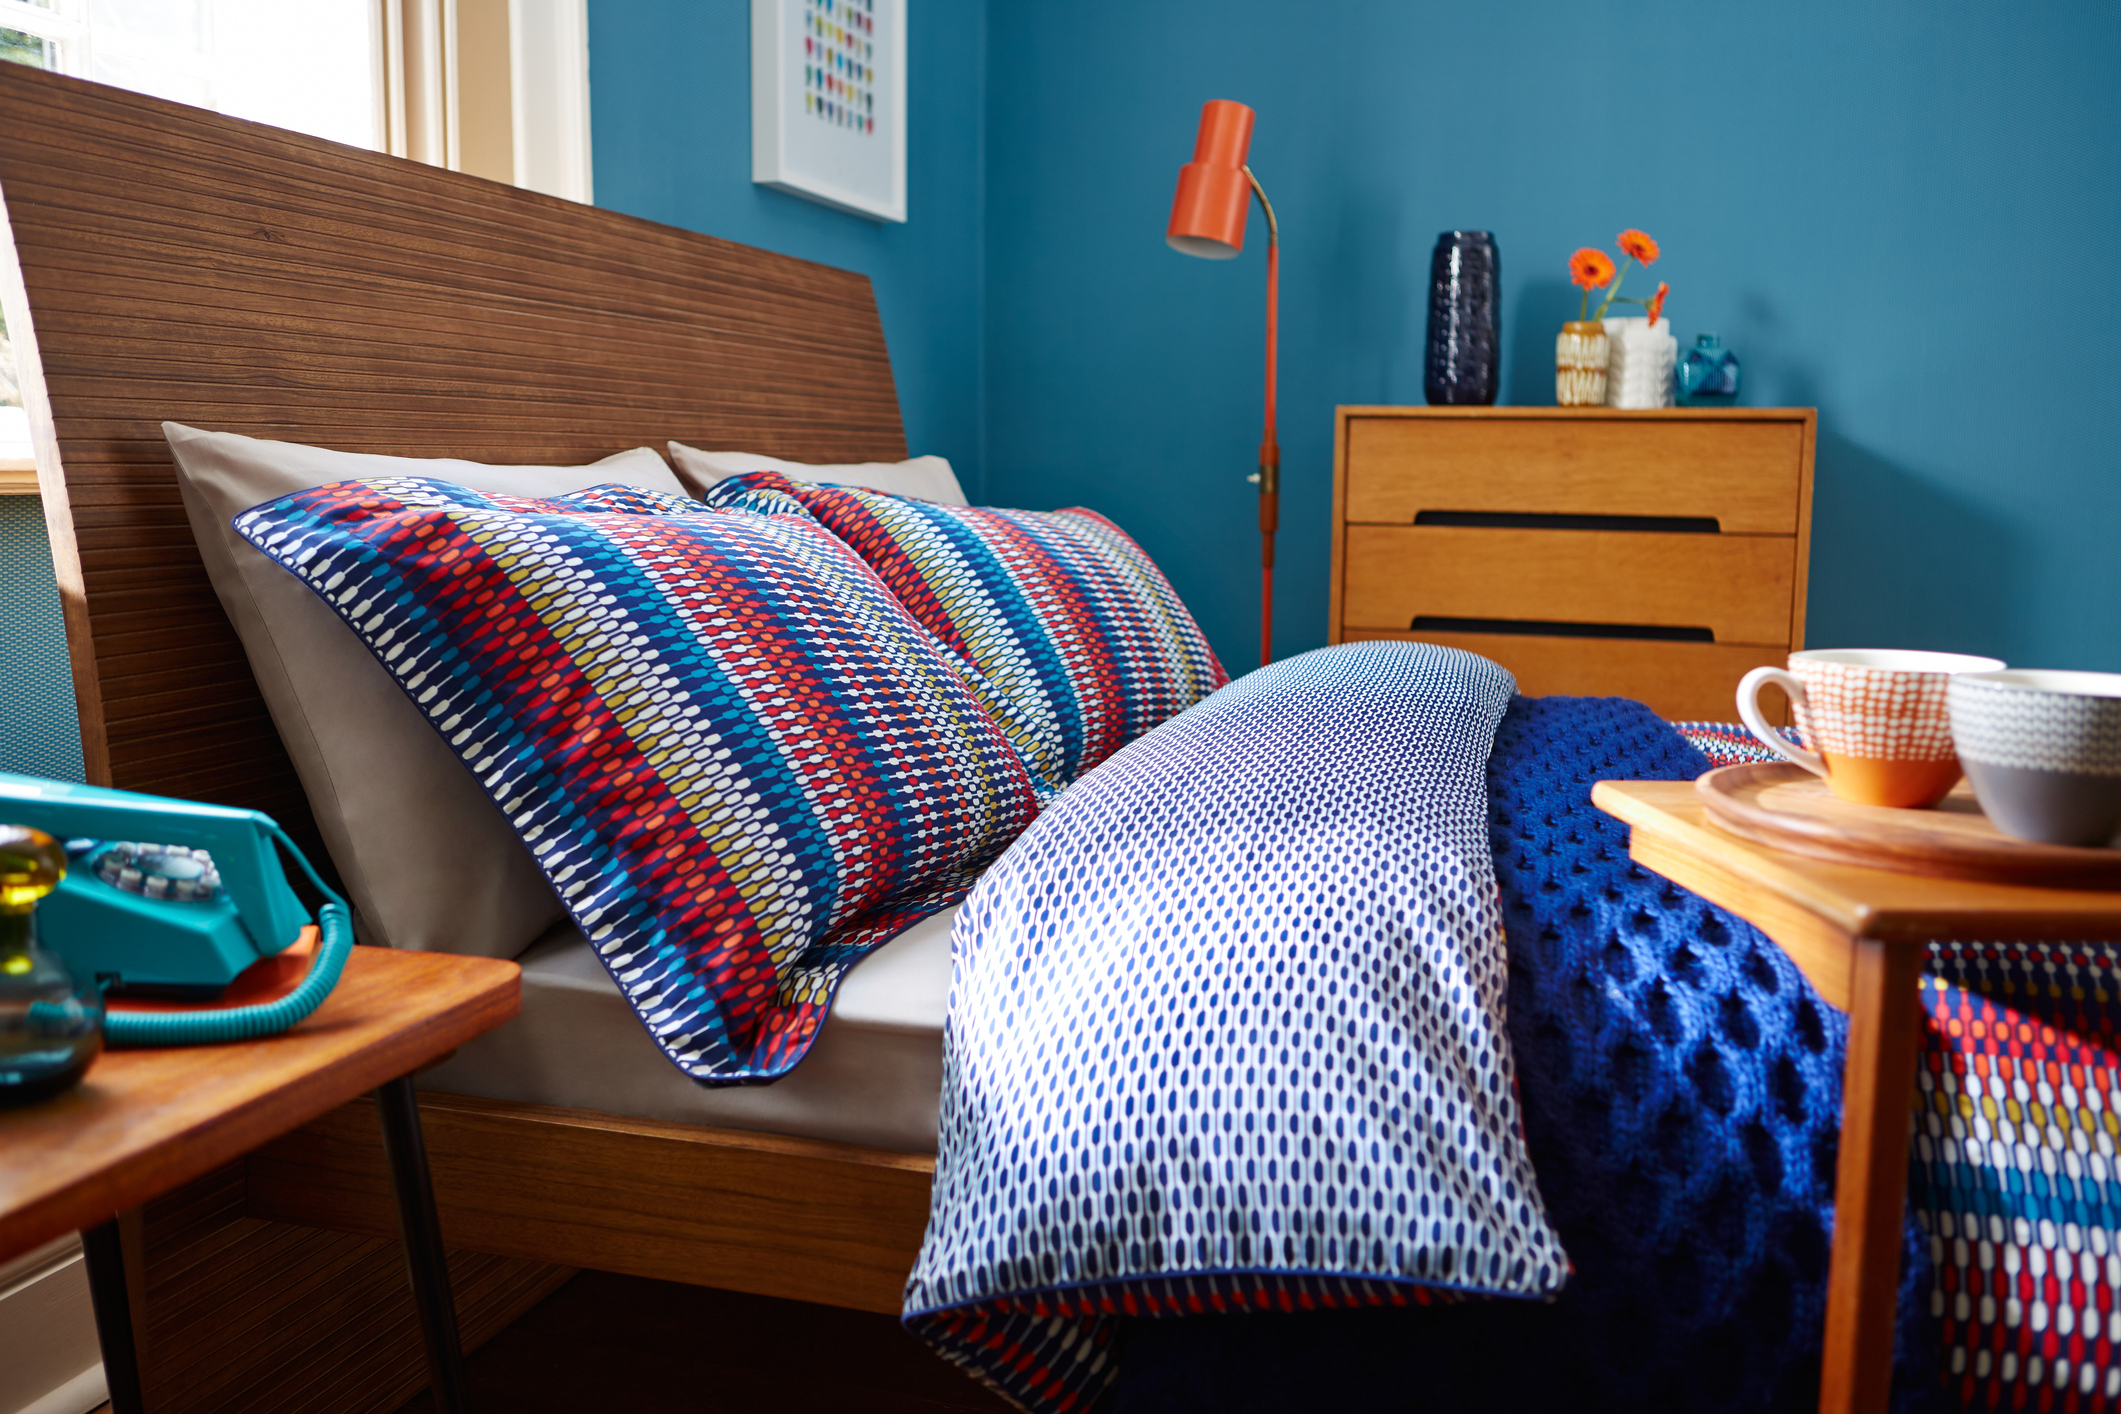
(1214,195)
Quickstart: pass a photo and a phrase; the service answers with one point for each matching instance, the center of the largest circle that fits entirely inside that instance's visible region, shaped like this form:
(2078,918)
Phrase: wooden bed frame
(161,262)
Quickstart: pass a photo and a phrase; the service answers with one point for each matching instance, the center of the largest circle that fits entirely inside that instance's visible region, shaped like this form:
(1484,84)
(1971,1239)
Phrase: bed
(169,264)
(182,265)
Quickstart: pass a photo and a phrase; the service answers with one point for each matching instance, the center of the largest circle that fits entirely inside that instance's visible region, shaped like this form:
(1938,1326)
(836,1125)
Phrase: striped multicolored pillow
(738,759)
(1059,611)
(1730,743)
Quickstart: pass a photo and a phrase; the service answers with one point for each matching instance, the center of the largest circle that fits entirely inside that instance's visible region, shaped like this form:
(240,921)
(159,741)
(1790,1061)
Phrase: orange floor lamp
(1215,192)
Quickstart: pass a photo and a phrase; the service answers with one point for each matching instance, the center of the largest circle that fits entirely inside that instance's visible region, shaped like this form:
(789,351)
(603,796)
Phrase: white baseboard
(49,1362)
(78,1395)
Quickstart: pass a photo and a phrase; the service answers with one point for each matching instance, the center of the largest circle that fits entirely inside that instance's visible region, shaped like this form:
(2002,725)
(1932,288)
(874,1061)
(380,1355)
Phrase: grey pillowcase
(929,478)
(428,861)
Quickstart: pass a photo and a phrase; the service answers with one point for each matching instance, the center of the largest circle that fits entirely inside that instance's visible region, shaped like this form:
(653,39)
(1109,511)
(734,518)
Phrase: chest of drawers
(1654,555)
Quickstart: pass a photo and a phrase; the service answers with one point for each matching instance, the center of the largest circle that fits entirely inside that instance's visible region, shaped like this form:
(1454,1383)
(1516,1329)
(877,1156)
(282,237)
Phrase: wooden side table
(1861,936)
(145,1121)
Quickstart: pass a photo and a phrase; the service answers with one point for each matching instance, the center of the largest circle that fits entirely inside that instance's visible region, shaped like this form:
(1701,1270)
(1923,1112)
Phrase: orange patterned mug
(1878,719)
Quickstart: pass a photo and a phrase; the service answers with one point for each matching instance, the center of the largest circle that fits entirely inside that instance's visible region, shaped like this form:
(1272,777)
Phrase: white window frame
(548,90)
(548,61)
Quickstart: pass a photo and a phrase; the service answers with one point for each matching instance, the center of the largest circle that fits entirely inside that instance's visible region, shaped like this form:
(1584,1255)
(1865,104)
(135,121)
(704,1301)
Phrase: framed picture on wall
(828,102)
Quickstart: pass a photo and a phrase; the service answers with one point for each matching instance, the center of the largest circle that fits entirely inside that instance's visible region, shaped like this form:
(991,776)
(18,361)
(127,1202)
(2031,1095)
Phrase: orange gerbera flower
(1656,304)
(1589,268)
(1639,245)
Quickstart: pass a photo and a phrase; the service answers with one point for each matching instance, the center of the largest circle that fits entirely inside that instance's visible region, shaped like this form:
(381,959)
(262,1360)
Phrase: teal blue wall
(1902,213)
(40,734)
(670,94)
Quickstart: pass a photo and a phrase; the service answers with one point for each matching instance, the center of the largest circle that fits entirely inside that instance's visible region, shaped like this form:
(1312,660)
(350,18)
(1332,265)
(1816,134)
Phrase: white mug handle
(1749,709)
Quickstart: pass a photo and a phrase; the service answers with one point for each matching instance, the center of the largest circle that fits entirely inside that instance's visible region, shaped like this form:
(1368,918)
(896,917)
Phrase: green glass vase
(51,1026)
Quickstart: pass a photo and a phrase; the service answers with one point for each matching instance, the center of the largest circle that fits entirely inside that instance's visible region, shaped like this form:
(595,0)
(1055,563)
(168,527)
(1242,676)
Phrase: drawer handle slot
(1529,520)
(1655,633)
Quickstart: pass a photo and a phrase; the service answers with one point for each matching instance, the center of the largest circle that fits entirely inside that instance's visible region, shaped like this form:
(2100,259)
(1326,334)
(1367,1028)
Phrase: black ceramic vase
(1464,366)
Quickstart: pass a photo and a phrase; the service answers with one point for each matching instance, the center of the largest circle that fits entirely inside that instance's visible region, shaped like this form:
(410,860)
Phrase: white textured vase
(1639,362)
(1580,351)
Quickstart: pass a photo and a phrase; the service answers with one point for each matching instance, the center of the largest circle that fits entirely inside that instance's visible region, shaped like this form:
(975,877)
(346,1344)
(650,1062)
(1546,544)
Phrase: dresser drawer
(1744,475)
(1738,587)
(1655,555)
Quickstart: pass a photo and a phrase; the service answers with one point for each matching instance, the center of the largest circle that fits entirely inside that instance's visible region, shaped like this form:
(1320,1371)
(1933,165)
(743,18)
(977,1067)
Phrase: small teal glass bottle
(51,1026)
(1707,374)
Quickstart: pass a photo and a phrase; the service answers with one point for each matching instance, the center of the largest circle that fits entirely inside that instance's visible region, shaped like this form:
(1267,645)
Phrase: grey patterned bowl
(2043,750)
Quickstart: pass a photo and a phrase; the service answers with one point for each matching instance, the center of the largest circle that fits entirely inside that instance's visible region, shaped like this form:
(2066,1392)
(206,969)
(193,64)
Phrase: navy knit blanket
(1681,1092)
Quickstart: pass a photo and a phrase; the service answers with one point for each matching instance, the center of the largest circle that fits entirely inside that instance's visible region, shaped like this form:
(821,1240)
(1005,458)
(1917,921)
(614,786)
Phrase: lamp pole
(1269,475)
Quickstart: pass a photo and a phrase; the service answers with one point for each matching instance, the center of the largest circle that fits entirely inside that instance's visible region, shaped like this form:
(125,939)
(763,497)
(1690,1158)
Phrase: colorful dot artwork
(839,58)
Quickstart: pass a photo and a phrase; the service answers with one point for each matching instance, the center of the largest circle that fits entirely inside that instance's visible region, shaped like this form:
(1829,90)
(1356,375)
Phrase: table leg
(398,1106)
(1870,1185)
(104,1251)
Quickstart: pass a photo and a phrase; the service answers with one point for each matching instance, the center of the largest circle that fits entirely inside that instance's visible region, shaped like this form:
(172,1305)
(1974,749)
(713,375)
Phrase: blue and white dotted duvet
(1226,1032)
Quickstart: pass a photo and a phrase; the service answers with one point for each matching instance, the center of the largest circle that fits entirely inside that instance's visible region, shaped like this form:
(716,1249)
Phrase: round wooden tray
(1788,807)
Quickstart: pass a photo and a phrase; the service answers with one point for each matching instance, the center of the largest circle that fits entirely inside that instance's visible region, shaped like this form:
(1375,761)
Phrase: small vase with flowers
(1597,364)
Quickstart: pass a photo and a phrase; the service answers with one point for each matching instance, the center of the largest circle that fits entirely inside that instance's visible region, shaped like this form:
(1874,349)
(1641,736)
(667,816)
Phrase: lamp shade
(1214,195)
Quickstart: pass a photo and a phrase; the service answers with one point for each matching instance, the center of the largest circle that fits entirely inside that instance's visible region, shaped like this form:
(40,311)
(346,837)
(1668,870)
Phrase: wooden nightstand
(1654,555)
(1861,936)
(145,1121)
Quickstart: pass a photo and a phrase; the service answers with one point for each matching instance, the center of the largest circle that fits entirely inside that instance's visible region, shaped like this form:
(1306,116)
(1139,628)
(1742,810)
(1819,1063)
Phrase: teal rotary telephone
(177,918)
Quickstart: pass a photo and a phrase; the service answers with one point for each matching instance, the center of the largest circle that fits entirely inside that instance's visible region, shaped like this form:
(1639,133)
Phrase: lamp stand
(1269,476)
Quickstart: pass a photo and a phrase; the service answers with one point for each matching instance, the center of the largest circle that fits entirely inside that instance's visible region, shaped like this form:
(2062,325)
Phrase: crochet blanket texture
(1681,1090)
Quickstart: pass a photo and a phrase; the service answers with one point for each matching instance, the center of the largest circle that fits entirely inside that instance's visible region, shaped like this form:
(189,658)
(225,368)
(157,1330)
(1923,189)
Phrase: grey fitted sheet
(874,1075)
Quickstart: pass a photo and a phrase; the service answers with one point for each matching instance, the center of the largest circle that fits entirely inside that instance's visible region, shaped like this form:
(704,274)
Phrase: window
(32,33)
(499,88)
(310,66)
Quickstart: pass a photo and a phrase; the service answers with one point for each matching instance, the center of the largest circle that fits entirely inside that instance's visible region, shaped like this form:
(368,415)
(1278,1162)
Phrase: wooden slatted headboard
(166,262)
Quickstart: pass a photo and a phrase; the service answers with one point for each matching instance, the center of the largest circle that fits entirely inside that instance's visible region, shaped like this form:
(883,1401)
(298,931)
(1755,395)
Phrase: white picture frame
(828,102)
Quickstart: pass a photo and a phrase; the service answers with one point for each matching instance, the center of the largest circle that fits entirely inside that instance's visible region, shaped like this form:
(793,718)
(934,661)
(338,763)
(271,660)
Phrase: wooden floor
(614,1342)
